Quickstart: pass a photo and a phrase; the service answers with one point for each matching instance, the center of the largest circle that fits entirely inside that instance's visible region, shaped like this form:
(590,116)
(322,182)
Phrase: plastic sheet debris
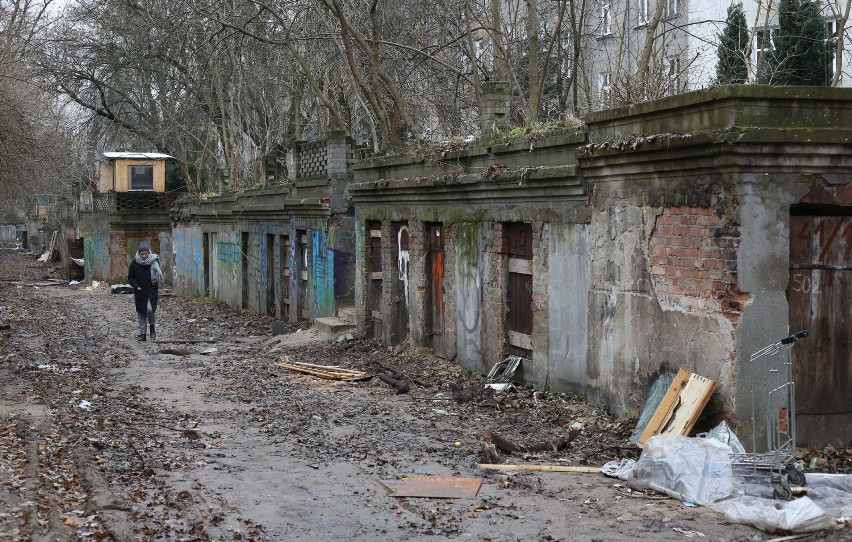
(118,288)
(619,469)
(725,435)
(655,396)
(828,505)
(79,261)
(687,469)
(84,405)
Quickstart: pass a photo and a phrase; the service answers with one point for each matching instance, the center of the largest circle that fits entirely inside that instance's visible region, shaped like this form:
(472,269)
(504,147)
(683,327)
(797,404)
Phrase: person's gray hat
(143,246)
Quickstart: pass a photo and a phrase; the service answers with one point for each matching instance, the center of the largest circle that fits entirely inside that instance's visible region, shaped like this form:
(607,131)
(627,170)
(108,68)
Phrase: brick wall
(694,262)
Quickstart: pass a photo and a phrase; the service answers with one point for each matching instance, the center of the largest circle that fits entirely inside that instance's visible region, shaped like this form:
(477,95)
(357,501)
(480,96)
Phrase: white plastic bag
(684,468)
(723,434)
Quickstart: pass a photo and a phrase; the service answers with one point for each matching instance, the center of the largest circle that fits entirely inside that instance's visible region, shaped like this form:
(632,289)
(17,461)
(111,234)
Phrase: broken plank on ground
(437,487)
(543,468)
(330,372)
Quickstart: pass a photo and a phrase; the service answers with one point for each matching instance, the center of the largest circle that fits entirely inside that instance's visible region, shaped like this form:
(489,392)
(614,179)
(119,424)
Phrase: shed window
(141,177)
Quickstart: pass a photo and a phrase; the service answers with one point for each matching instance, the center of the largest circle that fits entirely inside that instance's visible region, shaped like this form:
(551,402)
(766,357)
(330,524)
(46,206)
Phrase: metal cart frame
(770,373)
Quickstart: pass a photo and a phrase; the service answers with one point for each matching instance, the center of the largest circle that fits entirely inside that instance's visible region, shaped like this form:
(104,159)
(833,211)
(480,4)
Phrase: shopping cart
(770,373)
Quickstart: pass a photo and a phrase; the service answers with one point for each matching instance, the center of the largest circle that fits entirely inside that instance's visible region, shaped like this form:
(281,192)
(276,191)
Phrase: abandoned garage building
(685,232)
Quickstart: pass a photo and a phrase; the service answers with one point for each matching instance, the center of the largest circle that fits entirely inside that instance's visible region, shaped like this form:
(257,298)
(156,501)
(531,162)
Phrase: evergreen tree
(733,44)
(801,56)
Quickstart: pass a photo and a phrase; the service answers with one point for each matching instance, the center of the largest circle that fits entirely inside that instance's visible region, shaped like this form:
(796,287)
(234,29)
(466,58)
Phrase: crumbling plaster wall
(638,330)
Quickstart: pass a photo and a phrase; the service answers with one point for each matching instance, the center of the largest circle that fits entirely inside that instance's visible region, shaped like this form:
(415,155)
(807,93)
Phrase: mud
(106,438)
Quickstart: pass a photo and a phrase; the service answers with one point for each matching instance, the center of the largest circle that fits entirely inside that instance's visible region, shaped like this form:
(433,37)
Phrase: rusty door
(519,289)
(435,313)
(820,298)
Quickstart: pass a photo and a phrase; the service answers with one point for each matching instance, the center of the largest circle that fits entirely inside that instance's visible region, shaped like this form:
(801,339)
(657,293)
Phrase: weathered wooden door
(519,290)
(214,265)
(435,280)
(269,274)
(303,256)
(374,280)
(244,250)
(820,298)
(286,265)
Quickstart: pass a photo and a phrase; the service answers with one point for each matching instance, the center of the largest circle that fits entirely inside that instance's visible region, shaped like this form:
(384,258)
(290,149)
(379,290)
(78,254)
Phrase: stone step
(333,325)
(347,313)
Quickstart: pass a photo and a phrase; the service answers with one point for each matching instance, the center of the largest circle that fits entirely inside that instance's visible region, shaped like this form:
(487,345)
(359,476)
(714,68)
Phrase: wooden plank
(376,275)
(327,372)
(521,340)
(523,267)
(541,468)
(681,406)
(377,234)
(438,487)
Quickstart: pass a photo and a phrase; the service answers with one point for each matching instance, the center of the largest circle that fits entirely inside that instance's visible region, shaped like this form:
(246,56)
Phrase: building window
(643,12)
(606,19)
(672,7)
(764,40)
(830,30)
(142,177)
(605,86)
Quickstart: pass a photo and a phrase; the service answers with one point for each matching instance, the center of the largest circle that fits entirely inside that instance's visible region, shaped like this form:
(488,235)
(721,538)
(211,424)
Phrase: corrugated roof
(137,156)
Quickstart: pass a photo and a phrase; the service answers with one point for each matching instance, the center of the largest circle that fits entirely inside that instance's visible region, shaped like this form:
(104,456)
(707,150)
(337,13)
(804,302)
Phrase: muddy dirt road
(106,438)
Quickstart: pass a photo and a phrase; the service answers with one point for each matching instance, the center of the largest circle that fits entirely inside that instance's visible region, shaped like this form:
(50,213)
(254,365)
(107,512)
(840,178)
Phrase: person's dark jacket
(144,290)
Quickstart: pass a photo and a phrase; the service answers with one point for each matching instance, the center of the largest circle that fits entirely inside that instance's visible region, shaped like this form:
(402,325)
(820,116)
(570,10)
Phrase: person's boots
(141,337)
(153,334)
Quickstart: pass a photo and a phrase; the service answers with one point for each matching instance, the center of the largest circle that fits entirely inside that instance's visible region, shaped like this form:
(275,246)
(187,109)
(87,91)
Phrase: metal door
(820,298)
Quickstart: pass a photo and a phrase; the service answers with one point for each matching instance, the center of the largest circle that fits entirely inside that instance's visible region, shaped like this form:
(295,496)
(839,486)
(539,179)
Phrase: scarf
(154,262)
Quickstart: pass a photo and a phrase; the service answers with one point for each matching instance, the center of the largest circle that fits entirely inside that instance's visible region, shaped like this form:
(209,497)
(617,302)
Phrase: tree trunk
(648,47)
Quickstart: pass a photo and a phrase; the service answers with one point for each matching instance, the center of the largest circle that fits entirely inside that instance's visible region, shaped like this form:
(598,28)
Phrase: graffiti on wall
(403,257)
(468,292)
(322,267)
(188,255)
(229,255)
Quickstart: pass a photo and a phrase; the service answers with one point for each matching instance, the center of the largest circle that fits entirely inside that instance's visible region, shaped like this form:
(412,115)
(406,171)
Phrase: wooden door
(244,249)
(214,265)
(374,294)
(435,313)
(269,274)
(820,298)
(303,259)
(286,265)
(519,289)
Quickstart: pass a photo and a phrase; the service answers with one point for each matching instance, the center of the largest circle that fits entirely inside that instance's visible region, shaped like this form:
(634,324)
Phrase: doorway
(819,293)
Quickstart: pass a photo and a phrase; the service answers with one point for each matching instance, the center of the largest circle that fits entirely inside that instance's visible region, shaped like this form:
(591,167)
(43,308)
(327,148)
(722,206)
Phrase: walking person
(145,275)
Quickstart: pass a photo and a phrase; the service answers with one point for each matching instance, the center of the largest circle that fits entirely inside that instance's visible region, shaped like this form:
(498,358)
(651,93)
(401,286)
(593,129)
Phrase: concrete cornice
(497,185)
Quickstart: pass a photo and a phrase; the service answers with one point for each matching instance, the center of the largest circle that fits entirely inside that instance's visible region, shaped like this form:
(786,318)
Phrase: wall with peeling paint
(660,237)
(188,254)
